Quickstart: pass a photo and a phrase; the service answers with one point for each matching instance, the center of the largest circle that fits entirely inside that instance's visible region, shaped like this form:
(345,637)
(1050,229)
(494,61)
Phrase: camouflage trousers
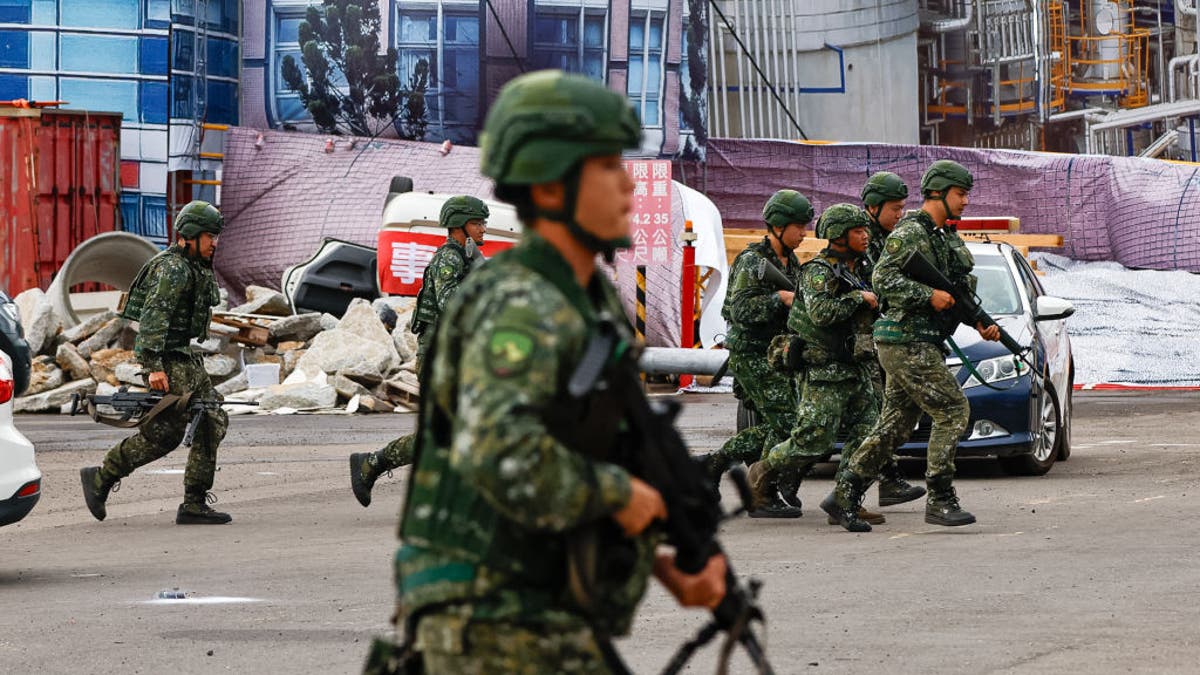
(917,381)
(773,394)
(451,645)
(825,408)
(394,455)
(163,433)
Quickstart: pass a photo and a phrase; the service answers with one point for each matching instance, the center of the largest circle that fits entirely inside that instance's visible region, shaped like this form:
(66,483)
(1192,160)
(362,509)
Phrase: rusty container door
(78,183)
(18,237)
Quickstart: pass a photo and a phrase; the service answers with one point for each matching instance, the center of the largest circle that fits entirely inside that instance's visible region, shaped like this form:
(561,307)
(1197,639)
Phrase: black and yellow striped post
(640,322)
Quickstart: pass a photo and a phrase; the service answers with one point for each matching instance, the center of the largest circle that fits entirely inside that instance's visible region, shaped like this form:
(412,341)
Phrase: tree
(347,85)
(693,91)
(414,118)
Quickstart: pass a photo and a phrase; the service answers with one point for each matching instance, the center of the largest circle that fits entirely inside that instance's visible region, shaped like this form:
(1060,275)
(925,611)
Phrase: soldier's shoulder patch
(893,244)
(817,279)
(446,270)
(510,351)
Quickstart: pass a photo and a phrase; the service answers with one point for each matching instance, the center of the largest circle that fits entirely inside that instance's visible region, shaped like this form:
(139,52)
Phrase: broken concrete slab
(337,349)
(44,376)
(38,318)
(53,400)
(301,327)
(301,396)
(346,387)
(130,372)
(102,337)
(105,361)
(90,325)
(219,366)
(261,300)
(68,358)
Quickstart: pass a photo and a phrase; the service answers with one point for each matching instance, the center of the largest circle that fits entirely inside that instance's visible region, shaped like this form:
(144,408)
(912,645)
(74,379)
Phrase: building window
(13,87)
(286,42)
(570,39)
(98,54)
(100,14)
(154,102)
(107,95)
(447,38)
(14,11)
(14,49)
(645,82)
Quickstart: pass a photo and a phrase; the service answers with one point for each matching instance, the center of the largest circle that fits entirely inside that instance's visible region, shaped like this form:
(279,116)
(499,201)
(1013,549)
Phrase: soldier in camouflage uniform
(497,498)
(883,198)
(172,298)
(837,391)
(466,219)
(757,310)
(909,336)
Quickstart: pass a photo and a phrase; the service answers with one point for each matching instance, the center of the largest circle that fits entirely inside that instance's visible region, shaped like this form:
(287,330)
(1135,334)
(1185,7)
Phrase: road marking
(164,472)
(1117,442)
(215,600)
(265,473)
(1147,499)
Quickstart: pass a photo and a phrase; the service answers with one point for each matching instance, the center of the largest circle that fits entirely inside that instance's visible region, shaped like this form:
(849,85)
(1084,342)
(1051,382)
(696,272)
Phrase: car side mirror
(1048,308)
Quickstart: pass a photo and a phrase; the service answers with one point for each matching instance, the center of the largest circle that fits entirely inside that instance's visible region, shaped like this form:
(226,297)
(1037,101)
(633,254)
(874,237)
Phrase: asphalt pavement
(1090,568)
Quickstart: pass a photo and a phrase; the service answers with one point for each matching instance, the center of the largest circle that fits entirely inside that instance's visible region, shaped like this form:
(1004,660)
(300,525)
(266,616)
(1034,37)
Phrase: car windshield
(997,290)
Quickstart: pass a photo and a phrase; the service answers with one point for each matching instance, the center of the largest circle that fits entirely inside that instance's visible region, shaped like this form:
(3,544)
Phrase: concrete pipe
(112,258)
(676,360)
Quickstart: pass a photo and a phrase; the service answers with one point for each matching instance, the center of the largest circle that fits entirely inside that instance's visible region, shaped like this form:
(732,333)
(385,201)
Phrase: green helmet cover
(196,217)
(883,186)
(456,211)
(839,219)
(785,207)
(945,174)
(544,123)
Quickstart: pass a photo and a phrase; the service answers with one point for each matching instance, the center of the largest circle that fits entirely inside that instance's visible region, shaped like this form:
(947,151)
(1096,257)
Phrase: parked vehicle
(20,479)
(1022,419)
(12,342)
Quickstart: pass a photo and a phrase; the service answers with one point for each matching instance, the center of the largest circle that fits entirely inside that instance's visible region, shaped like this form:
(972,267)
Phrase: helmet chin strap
(779,237)
(605,247)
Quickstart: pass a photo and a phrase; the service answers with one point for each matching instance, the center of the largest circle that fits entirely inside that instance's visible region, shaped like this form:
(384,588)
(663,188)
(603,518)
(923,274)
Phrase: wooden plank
(1026,240)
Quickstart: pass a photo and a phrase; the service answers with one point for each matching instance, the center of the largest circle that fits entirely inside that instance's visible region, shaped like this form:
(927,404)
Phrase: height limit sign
(650,218)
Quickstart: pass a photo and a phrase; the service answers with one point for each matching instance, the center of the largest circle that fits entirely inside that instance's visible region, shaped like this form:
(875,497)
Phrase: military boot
(893,489)
(363,475)
(844,502)
(764,493)
(789,489)
(871,517)
(942,506)
(95,490)
(196,511)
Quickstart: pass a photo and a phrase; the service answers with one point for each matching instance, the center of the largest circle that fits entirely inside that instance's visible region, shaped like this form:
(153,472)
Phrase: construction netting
(1143,213)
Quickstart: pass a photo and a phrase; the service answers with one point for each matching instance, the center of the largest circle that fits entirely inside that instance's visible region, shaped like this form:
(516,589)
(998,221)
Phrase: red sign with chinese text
(650,218)
(403,256)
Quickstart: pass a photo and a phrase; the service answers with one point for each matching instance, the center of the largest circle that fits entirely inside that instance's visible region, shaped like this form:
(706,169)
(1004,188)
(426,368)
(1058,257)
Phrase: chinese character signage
(650,219)
(403,256)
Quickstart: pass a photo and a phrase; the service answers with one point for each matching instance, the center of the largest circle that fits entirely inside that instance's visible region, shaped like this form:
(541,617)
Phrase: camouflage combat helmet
(839,219)
(883,186)
(542,126)
(785,207)
(196,217)
(456,211)
(945,174)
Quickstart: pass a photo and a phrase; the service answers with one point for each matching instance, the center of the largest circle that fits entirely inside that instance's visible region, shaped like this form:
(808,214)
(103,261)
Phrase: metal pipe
(675,360)
(956,22)
(1076,114)
(1182,8)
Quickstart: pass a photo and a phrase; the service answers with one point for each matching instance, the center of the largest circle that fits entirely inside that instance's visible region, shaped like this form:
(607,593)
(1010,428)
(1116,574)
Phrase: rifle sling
(167,401)
(971,368)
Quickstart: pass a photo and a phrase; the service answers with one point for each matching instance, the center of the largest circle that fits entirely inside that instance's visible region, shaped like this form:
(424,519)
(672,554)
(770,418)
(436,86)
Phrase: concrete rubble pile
(363,362)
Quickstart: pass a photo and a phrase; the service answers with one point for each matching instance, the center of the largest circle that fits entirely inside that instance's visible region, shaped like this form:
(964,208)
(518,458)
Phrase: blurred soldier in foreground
(909,339)
(489,575)
(172,298)
(466,219)
(757,311)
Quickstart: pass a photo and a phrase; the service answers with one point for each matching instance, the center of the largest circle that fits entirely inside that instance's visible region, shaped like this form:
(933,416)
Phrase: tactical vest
(193,307)
(757,338)
(457,547)
(425,314)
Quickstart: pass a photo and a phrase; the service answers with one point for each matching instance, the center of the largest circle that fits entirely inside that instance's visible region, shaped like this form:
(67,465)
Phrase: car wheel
(747,416)
(1047,435)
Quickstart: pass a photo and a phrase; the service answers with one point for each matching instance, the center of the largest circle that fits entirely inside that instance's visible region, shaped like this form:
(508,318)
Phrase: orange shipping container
(60,186)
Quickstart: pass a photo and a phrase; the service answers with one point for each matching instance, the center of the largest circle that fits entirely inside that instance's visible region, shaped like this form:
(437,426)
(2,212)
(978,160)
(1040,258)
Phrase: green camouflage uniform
(756,314)
(495,498)
(909,338)
(180,292)
(837,391)
(446,270)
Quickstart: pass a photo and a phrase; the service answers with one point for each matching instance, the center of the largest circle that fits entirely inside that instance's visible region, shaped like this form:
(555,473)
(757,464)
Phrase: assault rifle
(135,408)
(656,453)
(966,304)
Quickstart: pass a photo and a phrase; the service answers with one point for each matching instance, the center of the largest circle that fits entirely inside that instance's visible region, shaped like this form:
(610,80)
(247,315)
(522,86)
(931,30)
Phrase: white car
(20,479)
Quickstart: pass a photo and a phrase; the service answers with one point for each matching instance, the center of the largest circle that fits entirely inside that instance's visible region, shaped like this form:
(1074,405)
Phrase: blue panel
(13,87)
(98,53)
(14,49)
(43,48)
(45,12)
(130,212)
(101,13)
(14,11)
(154,102)
(181,97)
(152,56)
(154,217)
(183,42)
(222,57)
(158,13)
(43,89)
(182,11)
(222,103)
(232,14)
(290,109)
(287,29)
(107,95)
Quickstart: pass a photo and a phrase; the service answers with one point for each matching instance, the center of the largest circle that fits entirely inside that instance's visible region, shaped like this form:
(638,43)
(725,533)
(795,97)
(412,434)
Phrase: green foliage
(347,85)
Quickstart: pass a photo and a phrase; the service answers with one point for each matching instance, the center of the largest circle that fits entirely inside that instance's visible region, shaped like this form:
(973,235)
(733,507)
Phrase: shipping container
(61,185)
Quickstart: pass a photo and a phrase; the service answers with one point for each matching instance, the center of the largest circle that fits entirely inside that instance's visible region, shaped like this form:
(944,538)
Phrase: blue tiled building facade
(134,57)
